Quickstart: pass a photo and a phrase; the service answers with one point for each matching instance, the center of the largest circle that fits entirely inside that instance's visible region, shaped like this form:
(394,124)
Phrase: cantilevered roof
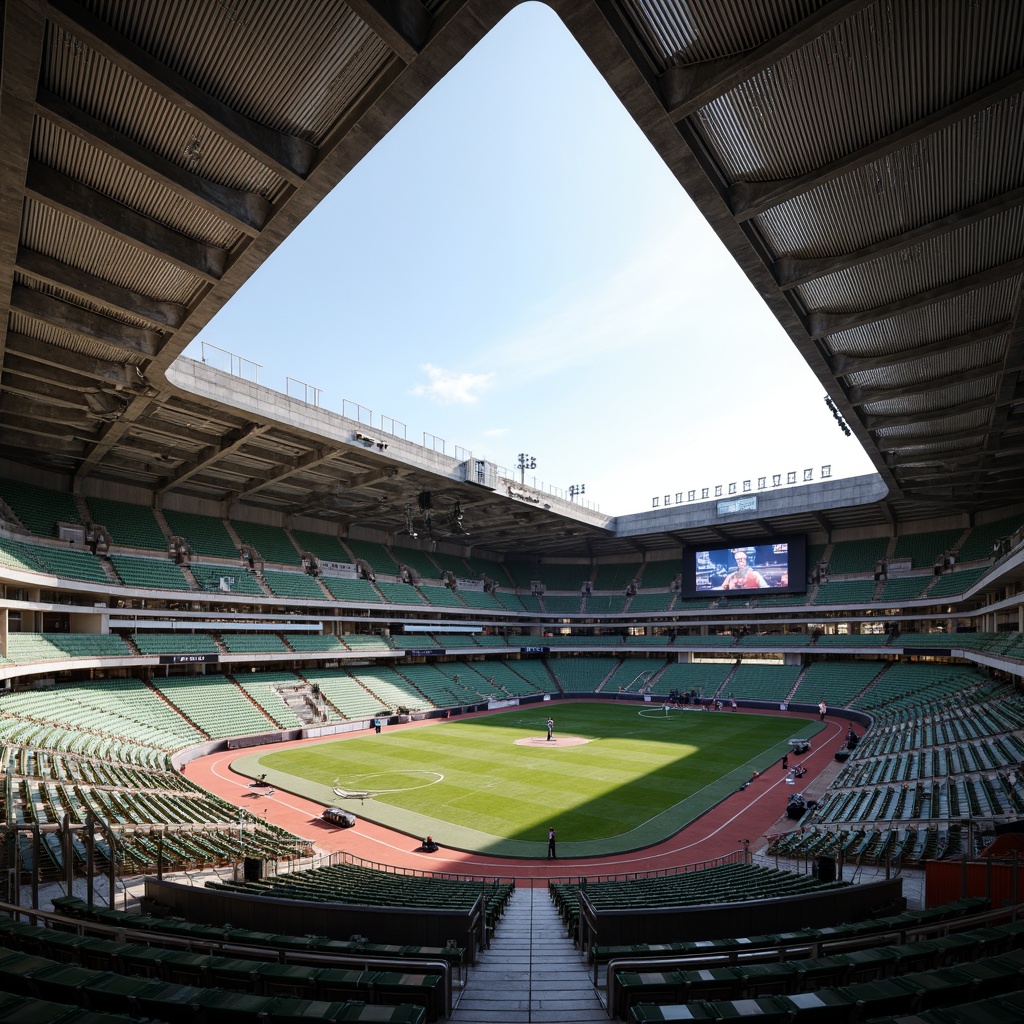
(862,161)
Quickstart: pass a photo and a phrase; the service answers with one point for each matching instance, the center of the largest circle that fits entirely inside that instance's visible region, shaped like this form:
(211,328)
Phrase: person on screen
(744,576)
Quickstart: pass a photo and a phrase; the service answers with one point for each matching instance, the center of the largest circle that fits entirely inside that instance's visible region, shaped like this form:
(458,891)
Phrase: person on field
(551,844)
(551,729)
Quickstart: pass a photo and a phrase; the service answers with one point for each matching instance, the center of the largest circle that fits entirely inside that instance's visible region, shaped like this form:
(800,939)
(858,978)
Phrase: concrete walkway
(532,971)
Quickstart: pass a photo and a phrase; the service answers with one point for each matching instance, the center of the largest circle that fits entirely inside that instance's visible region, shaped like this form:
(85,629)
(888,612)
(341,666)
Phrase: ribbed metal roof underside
(863,161)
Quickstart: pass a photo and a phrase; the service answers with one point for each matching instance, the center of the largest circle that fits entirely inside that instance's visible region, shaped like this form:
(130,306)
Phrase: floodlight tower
(525,462)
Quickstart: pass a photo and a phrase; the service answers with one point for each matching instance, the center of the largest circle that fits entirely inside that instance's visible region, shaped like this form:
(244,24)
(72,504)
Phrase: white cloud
(496,432)
(447,387)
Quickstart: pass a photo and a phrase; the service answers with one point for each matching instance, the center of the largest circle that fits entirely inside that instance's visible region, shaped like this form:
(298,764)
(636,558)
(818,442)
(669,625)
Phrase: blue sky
(513,269)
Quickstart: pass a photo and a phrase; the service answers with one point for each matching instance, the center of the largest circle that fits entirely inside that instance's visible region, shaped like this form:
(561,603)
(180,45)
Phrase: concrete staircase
(531,973)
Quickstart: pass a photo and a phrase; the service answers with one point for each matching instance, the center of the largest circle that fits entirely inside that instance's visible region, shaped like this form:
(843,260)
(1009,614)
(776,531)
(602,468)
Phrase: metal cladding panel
(105,174)
(977,158)
(884,68)
(60,338)
(961,359)
(945,319)
(921,267)
(54,234)
(955,423)
(292,67)
(88,80)
(66,296)
(701,30)
(953,396)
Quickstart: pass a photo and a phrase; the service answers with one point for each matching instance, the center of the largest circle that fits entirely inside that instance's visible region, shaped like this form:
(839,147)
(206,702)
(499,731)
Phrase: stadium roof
(863,162)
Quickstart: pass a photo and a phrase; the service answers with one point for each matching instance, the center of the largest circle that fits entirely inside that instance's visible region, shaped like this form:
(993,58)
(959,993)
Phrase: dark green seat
(302,1011)
(229,973)
(144,961)
(678,1011)
(382,1014)
(633,987)
(333,984)
(232,1007)
(875,998)
(830,1006)
(103,954)
(172,1003)
(819,972)
(16,970)
(183,968)
(768,979)
(59,982)
(287,979)
(943,987)
(63,946)
(114,993)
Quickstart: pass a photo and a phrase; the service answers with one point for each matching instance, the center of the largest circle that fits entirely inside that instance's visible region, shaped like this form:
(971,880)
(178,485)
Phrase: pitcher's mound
(558,741)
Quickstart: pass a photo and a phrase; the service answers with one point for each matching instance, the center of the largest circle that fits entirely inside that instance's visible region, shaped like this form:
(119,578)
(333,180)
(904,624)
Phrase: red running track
(746,814)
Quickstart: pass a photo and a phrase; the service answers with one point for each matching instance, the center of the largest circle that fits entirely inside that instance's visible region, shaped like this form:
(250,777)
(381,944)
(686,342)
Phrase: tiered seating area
(118,719)
(479,599)
(271,542)
(846,592)
(314,642)
(904,588)
(323,545)
(23,648)
(582,675)
(650,601)
(951,584)
(390,689)
(131,526)
(209,576)
(351,883)
(345,694)
(264,689)
(727,883)
(293,584)
(857,556)
(399,593)
(38,508)
(762,682)
(378,557)
(440,596)
(562,604)
(923,549)
(253,643)
(214,704)
(420,562)
(149,573)
(851,640)
(105,977)
(604,604)
(835,682)
(910,963)
(365,642)
(447,686)
(616,576)
(356,591)
(981,541)
(206,535)
(939,750)
(705,678)
(174,643)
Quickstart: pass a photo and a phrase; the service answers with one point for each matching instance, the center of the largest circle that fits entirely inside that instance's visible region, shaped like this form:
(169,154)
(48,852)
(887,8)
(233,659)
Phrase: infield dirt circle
(560,741)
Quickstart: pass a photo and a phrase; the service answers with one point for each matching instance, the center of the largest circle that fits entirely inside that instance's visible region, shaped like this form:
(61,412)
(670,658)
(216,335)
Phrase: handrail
(121,934)
(805,948)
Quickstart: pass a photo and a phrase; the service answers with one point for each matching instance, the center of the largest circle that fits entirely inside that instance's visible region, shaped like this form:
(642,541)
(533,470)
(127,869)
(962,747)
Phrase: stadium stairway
(532,973)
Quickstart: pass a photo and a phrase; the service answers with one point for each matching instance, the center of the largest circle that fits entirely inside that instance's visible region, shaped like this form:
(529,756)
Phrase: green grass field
(641,776)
